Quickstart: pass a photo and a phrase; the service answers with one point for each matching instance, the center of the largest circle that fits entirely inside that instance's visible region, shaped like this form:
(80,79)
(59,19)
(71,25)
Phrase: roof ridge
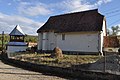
(75,12)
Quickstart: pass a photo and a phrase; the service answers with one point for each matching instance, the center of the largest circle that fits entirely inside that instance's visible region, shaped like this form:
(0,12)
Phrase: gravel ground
(8,72)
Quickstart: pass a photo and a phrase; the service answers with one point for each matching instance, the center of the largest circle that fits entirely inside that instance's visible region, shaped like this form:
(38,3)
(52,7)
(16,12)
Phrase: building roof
(111,41)
(89,20)
(17,31)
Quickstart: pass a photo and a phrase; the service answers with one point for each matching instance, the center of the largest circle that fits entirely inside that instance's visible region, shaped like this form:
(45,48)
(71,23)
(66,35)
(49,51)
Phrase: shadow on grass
(44,72)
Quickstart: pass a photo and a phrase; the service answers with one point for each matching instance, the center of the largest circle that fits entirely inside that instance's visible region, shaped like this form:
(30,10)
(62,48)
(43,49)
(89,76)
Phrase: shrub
(1,48)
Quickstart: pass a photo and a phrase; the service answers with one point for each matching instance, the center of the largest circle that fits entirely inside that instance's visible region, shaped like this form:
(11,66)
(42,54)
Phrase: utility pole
(2,41)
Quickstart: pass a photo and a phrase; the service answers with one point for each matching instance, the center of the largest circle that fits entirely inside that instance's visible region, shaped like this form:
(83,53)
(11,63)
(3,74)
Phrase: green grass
(66,61)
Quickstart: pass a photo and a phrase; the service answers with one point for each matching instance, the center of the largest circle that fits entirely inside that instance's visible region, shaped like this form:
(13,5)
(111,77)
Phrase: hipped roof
(17,31)
(74,22)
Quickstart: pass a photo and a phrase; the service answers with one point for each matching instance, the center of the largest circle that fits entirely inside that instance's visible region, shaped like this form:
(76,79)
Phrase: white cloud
(29,26)
(37,8)
(75,4)
(100,2)
(80,5)
(9,4)
(32,9)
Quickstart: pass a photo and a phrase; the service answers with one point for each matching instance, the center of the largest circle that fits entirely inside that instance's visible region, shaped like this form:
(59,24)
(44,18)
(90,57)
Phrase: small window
(63,36)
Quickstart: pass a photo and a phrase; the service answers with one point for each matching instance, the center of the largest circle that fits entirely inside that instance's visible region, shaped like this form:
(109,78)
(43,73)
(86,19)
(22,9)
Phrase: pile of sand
(109,63)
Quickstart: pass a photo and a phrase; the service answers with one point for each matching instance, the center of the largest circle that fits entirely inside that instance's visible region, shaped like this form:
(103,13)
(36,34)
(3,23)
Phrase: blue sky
(32,14)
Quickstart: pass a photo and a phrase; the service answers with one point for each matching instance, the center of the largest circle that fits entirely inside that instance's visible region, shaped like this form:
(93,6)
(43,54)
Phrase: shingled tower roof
(17,31)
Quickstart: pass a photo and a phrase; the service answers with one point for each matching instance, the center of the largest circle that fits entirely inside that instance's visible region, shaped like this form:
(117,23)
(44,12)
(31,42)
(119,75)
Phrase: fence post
(104,61)
(2,41)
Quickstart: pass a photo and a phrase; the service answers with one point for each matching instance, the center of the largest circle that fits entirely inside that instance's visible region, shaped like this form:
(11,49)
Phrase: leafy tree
(115,30)
(30,38)
(108,32)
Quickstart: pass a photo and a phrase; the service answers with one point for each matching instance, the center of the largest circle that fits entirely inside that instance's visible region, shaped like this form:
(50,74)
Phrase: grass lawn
(66,61)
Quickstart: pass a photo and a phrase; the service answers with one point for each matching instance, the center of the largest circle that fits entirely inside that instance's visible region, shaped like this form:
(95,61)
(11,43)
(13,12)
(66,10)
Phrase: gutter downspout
(100,49)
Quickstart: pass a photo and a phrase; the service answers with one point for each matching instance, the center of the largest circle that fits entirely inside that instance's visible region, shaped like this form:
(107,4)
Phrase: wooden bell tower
(16,42)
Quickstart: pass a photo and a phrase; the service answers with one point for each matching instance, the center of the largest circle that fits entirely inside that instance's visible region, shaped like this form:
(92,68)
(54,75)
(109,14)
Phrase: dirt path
(8,72)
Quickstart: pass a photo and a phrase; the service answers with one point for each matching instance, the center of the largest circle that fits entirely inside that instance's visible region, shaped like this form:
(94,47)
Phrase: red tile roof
(111,41)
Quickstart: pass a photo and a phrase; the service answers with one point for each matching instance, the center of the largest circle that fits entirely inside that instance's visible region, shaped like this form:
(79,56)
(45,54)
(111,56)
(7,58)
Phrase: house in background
(74,32)
(16,42)
(31,44)
(111,44)
(118,37)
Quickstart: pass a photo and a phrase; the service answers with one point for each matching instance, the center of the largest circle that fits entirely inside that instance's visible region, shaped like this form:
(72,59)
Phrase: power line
(113,15)
(115,22)
(110,10)
(118,10)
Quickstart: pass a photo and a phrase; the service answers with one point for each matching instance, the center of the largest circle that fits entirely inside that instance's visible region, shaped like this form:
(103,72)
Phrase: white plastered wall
(84,42)
(39,41)
(52,40)
(13,49)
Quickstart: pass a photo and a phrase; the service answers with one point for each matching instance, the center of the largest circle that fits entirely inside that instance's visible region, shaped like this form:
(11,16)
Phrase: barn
(81,32)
